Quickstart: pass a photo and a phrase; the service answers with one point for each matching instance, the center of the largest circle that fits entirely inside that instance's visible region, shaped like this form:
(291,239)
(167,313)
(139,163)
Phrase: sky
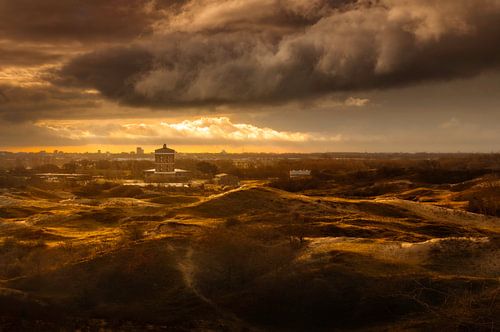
(250,75)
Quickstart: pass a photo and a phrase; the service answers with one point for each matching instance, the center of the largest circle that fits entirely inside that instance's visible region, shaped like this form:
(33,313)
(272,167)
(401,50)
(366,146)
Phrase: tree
(47,168)
(207,168)
(70,167)
(297,229)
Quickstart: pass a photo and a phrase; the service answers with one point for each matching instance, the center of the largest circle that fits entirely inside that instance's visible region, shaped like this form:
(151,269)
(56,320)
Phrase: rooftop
(164,149)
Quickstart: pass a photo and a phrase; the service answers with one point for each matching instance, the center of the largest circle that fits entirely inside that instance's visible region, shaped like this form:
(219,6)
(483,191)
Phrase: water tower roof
(164,149)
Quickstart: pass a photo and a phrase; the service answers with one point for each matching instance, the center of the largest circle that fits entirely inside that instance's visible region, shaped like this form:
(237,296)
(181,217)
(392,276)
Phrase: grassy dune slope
(254,258)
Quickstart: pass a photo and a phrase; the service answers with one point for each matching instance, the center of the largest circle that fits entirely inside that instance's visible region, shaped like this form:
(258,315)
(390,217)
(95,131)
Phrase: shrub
(484,205)
(133,232)
(231,221)
(297,185)
(125,191)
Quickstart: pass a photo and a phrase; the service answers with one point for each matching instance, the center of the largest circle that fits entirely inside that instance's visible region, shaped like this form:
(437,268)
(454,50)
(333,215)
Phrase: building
(224,179)
(164,160)
(139,151)
(165,170)
(243,163)
(300,174)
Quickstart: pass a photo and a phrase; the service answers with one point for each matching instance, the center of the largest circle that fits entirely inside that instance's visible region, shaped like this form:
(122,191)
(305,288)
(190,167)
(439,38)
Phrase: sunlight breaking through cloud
(206,129)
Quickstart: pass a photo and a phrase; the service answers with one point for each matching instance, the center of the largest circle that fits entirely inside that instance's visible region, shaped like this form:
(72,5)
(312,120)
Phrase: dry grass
(257,256)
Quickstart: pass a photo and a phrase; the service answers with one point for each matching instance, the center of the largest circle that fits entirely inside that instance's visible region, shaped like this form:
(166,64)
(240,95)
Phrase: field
(391,254)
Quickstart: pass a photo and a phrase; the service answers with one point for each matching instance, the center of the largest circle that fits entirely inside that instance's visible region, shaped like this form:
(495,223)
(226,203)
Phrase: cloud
(215,133)
(26,134)
(287,64)
(112,71)
(356,102)
(75,20)
(451,123)
(12,55)
(268,51)
(251,15)
(37,36)
(34,101)
(202,131)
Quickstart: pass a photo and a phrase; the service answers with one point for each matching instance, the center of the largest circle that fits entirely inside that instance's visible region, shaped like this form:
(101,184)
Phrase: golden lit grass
(447,216)
(299,257)
(395,251)
(174,200)
(338,280)
(253,200)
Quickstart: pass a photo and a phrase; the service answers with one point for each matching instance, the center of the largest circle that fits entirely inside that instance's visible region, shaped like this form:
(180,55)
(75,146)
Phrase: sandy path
(187,268)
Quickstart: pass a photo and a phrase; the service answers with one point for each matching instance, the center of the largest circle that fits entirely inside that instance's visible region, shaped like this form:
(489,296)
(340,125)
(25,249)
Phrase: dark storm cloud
(264,51)
(112,71)
(78,20)
(37,36)
(11,55)
(19,104)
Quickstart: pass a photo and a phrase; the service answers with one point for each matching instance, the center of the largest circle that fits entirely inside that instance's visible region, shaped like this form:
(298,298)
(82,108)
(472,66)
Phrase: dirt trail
(187,268)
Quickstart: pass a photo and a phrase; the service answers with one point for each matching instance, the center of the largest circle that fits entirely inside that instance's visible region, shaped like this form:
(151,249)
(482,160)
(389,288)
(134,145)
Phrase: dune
(246,200)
